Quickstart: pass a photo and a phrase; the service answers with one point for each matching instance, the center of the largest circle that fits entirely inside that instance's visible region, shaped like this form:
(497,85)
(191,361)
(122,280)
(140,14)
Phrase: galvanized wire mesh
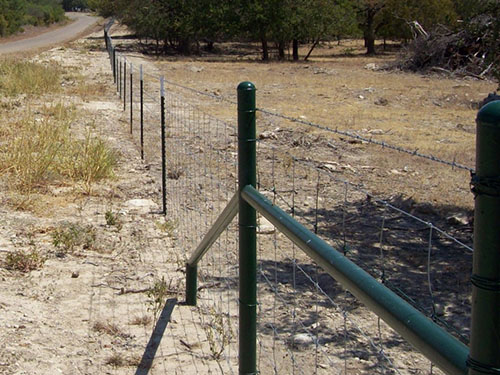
(307,322)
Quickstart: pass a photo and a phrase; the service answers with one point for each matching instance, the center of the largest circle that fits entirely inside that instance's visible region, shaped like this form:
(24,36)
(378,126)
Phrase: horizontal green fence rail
(446,352)
(437,345)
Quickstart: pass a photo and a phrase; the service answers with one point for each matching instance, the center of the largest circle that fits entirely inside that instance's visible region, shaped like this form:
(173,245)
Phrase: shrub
(24,261)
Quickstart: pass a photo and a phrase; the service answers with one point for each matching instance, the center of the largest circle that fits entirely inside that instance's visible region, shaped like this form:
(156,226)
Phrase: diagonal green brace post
(485,329)
(247,223)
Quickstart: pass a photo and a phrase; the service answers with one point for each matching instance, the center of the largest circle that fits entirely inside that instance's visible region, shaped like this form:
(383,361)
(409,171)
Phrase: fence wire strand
(307,323)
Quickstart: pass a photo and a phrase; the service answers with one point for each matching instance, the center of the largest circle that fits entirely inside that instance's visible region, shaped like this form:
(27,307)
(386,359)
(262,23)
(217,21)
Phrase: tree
(394,18)
(70,5)
(368,20)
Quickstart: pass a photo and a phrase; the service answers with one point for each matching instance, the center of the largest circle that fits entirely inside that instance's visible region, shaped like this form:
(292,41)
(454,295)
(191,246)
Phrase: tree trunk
(369,33)
(295,48)
(210,45)
(281,50)
(265,49)
(185,46)
(370,45)
(315,43)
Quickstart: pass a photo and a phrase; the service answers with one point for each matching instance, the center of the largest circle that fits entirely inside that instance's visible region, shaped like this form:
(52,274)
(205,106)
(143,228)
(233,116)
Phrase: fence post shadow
(155,339)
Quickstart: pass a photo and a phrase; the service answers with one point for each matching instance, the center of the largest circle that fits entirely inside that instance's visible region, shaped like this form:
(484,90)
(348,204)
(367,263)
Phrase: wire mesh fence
(307,323)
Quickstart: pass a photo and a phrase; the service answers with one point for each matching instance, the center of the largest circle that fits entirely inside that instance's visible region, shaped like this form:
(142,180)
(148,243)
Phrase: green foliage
(167,226)
(71,5)
(182,25)
(157,296)
(24,261)
(71,236)
(113,220)
(16,13)
(394,18)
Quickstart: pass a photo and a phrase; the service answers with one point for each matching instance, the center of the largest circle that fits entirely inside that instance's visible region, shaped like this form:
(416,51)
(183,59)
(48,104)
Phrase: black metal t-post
(163,149)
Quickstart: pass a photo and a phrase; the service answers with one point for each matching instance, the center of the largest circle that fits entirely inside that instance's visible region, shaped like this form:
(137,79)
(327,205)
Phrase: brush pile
(470,51)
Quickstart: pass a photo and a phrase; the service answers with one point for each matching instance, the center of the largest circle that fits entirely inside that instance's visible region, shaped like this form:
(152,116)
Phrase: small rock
(75,275)
(439,309)
(371,66)
(196,69)
(361,97)
(458,219)
(330,167)
(376,131)
(302,340)
(268,135)
(141,206)
(381,101)
(364,356)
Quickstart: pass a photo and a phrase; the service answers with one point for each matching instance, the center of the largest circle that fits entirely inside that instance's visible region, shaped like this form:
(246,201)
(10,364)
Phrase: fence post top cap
(243,86)
(490,113)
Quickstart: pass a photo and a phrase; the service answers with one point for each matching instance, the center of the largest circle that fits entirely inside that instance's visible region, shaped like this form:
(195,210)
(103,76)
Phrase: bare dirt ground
(86,311)
(91,312)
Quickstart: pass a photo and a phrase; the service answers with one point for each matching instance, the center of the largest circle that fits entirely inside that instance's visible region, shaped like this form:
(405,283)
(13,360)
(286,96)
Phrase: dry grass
(40,150)
(428,113)
(143,320)
(108,328)
(28,78)
(38,146)
(432,114)
(119,360)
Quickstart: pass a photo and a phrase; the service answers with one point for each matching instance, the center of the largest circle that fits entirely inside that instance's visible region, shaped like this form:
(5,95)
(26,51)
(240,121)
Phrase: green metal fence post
(485,328)
(247,231)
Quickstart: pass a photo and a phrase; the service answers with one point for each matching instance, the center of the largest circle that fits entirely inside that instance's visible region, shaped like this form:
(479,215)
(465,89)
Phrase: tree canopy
(16,13)
(181,25)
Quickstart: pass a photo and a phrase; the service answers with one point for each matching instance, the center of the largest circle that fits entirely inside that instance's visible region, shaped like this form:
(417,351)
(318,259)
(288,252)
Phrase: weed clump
(109,329)
(157,296)
(167,226)
(24,261)
(116,360)
(69,237)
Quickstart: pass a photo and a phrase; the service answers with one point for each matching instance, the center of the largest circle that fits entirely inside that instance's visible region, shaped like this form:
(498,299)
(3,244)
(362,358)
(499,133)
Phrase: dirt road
(63,34)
